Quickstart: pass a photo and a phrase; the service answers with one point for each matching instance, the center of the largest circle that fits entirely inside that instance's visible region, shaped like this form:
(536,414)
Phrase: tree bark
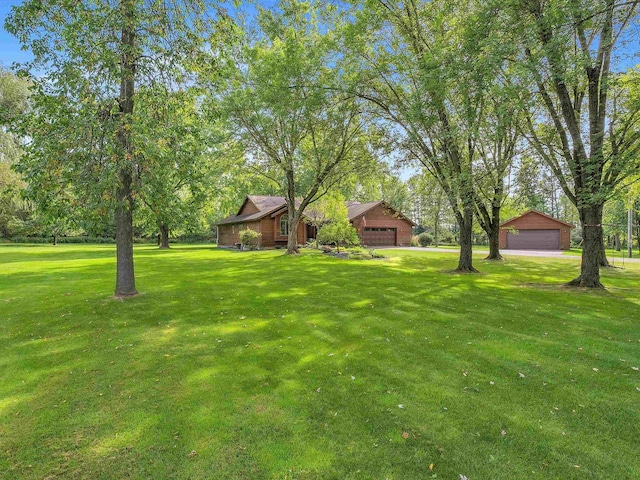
(494,231)
(292,240)
(602,258)
(494,242)
(591,220)
(164,235)
(125,277)
(465,261)
(55,239)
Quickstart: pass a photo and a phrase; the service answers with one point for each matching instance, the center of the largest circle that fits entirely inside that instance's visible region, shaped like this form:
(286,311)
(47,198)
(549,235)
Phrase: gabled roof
(570,225)
(355,209)
(264,202)
(265,205)
(268,205)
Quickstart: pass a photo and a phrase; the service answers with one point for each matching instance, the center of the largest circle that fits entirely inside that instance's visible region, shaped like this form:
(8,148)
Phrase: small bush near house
(353,253)
(250,239)
(425,239)
(414,241)
(340,233)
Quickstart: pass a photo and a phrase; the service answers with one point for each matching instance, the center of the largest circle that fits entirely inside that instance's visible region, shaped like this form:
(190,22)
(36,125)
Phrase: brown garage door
(378,237)
(534,240)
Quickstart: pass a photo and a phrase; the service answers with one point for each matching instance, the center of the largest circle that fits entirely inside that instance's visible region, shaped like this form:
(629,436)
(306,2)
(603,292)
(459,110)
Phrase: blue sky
(10,50)
(9,47)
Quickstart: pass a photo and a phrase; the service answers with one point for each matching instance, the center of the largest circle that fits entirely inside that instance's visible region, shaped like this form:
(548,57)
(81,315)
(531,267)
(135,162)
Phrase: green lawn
(616,255)
(260,366)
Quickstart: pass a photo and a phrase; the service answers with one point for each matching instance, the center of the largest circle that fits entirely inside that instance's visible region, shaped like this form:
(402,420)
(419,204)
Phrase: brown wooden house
(535,230)
(377,223)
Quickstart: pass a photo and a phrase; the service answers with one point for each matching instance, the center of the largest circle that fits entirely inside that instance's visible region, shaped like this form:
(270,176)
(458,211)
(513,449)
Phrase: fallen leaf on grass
(192,454)
(405,435)
(431,467)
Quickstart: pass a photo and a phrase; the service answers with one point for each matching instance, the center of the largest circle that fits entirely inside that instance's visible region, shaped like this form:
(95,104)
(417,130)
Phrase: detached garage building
(535,230)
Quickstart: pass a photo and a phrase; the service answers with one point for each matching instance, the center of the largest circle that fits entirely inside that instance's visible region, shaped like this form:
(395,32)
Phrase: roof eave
(531,210)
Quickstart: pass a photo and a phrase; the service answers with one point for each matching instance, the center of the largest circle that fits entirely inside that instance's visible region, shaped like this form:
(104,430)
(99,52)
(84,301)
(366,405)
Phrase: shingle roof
(264,202)
(265,205)
(355,209)
(269,205)
(538,213)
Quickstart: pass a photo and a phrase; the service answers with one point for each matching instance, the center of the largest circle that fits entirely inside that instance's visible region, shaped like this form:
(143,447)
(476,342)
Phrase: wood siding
(266,228)
(228,234)
(535,221)
(282,239)
(248,208)
(381,217)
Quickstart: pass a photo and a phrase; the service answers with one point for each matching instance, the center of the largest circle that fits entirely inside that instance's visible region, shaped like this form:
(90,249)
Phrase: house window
(284,225)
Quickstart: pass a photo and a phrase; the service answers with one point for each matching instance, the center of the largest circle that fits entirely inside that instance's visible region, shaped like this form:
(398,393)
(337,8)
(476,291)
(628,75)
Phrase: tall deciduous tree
(14,93)
(94,55)
(497,139)
(427,67)
(179,158)
(567,48)
(297,125)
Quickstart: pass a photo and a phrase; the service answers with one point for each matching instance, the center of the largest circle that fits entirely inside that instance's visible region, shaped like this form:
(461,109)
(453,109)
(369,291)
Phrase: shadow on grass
(267,366)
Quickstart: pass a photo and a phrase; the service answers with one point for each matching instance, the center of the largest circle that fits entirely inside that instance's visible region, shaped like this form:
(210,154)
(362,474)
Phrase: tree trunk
(494,244)
(465,261)
(292,240)
(55,239)
(602,257)
(125,278)
(592,247)
(494,234)
(164,235)
(435,227)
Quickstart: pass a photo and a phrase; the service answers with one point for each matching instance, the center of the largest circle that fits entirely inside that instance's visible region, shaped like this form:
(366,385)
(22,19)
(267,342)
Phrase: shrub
(447,237)
(338,233)
(414,241)
(425,239)
(249,238)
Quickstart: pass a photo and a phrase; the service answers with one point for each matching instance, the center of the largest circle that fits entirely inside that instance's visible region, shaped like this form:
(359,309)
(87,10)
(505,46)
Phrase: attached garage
(379,224)
(535,231)
(378,237)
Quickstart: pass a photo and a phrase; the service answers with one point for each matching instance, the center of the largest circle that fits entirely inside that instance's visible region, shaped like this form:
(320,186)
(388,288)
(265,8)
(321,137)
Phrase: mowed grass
(260,366)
